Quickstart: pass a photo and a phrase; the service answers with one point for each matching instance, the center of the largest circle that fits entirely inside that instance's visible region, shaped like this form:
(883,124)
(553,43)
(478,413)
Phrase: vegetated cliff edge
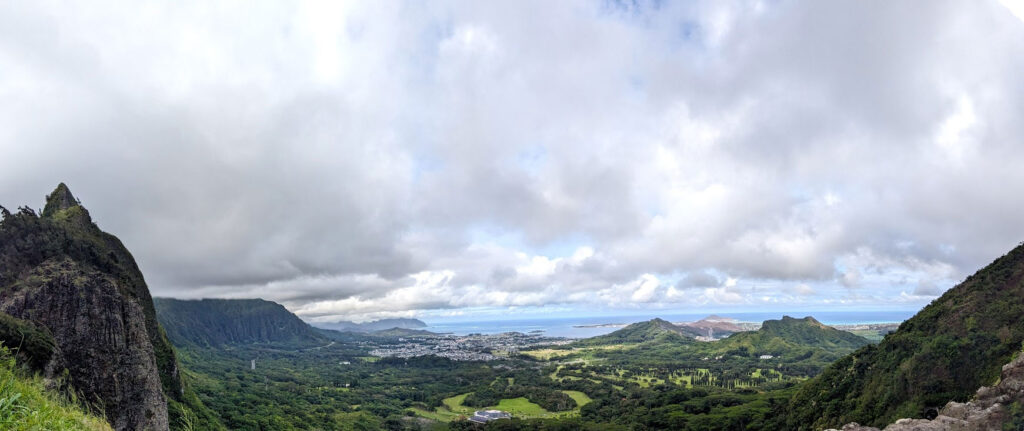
(956,344)
(217,322)
(82,287)
(993,408)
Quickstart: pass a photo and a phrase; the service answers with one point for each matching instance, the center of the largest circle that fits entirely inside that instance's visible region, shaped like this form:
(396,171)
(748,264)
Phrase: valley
(75,312)
(411,379)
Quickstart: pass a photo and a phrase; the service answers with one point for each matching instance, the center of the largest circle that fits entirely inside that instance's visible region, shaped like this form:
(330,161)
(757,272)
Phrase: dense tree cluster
(951,347)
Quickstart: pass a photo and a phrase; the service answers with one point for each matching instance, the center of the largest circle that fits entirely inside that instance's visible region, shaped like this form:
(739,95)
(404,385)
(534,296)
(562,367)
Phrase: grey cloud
(317,156)
(698,279)
(927,288)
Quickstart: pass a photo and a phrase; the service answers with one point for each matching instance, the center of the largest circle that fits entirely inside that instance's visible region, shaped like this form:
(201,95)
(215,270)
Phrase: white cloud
(379,159)
(1016,7)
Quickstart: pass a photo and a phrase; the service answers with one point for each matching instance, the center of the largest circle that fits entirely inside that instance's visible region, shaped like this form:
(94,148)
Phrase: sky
(489,160)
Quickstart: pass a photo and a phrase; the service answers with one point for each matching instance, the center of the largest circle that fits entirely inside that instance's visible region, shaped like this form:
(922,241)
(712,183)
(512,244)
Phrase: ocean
(567,326)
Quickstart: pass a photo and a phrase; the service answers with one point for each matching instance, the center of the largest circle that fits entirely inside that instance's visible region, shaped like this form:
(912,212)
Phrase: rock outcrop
(82,288)
(992,408)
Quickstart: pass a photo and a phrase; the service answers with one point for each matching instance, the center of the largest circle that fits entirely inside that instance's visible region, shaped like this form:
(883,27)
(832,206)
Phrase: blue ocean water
(567,326)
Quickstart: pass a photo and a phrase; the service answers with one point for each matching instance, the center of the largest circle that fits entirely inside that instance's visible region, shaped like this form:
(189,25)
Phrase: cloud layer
(403,158)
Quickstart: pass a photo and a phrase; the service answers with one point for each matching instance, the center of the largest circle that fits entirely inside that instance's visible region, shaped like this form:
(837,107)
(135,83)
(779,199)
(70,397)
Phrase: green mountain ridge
(945,352)
(219,322)
(654,330)
(806,332)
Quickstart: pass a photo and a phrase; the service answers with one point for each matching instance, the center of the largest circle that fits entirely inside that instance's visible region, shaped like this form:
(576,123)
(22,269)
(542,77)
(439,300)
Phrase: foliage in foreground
(25,404)
(956,344)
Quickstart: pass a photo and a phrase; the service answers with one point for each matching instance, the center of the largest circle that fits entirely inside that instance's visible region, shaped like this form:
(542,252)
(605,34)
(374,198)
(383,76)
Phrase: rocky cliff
(81,287)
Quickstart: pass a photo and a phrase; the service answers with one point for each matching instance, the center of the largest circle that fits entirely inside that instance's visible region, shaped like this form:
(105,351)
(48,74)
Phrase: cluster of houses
(473,347)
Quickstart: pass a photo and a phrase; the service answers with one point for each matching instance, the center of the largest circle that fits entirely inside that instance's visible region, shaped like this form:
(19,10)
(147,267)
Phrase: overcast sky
(495,159)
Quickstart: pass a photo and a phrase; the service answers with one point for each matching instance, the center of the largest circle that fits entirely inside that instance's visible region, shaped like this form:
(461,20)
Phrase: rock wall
(102,339)
(62,273)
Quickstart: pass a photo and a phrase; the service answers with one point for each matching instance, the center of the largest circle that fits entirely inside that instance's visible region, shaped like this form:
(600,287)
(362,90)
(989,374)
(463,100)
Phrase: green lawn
(440,415)
(581,398)
(519,407)
(454,404)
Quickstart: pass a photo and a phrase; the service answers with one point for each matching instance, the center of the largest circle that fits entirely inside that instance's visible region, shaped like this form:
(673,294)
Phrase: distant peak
(60,199)
(717,318)
(787,320)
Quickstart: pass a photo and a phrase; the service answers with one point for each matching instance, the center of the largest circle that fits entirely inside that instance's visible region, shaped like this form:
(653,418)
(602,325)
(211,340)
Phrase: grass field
(581,398)
(26,404)
(584,354)
(440,415)
(520,407)
(454,404)
(548,354)
(682,378)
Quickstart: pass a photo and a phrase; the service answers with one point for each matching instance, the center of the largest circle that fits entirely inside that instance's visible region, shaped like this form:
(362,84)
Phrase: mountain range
(372,326)
(219,322)
(75,308)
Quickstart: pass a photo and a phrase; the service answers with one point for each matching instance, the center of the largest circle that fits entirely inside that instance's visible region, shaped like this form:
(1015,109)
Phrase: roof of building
(481,416)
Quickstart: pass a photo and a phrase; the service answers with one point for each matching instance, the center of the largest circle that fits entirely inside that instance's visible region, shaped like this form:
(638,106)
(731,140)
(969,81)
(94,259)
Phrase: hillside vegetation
(779,336)
(25,404)
(217,322)
(951,347)
(654,330)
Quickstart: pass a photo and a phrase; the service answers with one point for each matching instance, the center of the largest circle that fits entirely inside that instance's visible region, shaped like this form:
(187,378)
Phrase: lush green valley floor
(657,383)
(452,408)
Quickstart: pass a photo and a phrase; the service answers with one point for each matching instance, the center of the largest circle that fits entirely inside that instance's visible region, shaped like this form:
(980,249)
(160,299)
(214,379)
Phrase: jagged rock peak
(806,319)
(60,199)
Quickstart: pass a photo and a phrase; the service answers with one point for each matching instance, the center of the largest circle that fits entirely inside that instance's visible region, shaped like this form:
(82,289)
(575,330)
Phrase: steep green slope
(60,271)
(218,322)
(26,404)
(950,348)
(654,330)
(32,345)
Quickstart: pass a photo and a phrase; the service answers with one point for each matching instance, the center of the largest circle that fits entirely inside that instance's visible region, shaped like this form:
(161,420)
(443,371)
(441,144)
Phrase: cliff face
(102,338)
(217,322)
(63,274)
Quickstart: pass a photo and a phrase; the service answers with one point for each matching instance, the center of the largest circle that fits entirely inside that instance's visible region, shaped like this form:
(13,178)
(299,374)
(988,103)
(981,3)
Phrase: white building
(484,416)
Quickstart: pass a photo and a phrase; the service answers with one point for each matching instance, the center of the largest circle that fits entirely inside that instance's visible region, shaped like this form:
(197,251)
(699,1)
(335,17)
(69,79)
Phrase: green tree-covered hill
(659,330)
(778,336)
(951,347)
